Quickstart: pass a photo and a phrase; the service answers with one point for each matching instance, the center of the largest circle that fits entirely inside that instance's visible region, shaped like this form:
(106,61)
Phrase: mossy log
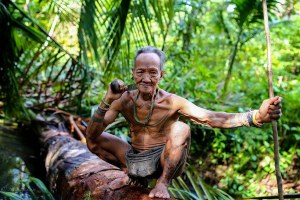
(73,172)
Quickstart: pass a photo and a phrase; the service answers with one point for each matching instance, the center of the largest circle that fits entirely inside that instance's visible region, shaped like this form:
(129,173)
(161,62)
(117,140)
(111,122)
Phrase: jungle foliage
(64,54)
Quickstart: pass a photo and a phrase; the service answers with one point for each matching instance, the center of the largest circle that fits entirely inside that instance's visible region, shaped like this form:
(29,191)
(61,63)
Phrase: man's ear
(162,73)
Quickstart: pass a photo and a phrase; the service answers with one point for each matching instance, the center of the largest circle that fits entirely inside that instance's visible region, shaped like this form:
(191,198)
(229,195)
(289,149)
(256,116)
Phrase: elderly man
(159,141)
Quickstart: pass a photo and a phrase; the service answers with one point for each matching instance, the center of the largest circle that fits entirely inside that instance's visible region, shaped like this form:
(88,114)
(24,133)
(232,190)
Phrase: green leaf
(33,195)
(46,193)
(12,195)
(196,187)
(205,189)
(184,194)
(182,184)
(177,188)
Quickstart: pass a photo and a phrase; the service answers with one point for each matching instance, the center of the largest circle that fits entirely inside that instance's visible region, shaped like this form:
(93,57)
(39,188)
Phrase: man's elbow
(89,132)
(91,145)
(91,136)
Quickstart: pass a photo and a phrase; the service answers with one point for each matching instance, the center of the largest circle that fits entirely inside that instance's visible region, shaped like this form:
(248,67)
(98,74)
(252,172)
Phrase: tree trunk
(73,172)
(231,62)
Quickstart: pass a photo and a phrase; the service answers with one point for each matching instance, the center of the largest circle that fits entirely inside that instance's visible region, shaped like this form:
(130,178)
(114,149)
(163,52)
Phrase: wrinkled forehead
(147,60)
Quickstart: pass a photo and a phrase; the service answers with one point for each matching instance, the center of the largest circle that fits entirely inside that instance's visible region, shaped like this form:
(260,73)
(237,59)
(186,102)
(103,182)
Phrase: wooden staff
(271,94)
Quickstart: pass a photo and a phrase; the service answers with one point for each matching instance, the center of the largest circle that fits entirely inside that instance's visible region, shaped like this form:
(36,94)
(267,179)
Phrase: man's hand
(269,110)
(115,90)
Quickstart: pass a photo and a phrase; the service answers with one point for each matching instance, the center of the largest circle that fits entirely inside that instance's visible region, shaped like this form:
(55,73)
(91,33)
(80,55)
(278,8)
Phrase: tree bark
(73,172)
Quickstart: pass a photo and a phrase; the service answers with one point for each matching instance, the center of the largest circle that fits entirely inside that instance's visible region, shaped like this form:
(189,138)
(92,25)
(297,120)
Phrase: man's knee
(180,132)
(96,148)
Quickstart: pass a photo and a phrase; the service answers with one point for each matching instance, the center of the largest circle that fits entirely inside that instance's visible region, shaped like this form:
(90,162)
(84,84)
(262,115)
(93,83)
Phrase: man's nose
(146,78)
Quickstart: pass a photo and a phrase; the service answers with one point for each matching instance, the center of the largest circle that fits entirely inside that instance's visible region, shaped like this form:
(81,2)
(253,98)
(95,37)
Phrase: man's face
(147,73)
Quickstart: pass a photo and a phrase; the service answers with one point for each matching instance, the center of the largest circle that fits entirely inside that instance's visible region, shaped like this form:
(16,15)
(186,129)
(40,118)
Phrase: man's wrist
(105,103)
(257,121)
(258,118)
(107,99)
(101,111)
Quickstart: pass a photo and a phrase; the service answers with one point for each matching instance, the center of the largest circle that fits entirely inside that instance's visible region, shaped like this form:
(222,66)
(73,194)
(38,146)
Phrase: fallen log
(73,172)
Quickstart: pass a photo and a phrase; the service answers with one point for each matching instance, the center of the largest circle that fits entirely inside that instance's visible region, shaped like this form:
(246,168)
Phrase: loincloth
(145,164)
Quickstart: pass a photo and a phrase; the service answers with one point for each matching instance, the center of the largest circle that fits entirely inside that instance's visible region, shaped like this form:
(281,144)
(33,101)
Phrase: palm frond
(195,188)
(37,67)
(41,186)
(13,101)
(111,31)
(250,12)
(12,195)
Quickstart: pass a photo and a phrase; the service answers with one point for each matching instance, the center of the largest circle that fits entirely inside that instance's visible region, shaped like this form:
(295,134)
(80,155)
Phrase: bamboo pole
(271,94)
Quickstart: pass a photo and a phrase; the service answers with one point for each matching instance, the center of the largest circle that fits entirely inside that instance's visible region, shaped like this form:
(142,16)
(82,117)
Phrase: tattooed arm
(268,111)
(107,111)
(101,119)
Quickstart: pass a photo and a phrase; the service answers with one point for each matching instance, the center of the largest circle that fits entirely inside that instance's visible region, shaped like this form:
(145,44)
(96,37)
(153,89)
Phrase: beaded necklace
(147,118)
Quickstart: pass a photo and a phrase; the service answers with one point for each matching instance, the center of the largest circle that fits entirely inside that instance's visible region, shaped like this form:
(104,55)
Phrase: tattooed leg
(173,158)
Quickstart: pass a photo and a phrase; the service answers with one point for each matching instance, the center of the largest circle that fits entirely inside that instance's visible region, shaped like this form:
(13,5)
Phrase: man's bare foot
(119,183)
(160,190)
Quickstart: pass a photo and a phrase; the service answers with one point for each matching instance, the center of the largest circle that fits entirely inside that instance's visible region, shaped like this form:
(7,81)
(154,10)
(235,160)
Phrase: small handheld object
(115,86)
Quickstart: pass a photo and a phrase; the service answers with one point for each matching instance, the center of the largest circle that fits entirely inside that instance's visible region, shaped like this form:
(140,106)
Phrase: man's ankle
(165,182)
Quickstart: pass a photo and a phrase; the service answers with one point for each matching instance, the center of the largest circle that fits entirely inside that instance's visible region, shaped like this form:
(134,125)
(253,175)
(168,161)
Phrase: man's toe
(151,195)
(158,194)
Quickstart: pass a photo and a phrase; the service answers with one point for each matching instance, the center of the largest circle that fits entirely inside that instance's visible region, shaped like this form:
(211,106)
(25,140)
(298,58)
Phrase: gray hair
(150,49)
